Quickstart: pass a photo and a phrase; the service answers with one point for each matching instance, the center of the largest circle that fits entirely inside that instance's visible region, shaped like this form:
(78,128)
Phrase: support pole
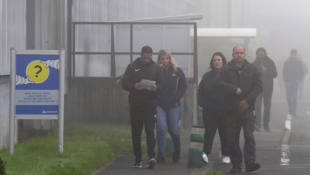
(12,99)
(61,100)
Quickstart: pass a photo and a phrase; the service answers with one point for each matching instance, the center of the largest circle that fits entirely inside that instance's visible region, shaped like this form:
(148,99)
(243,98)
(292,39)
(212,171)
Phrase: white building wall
(12,30)
(12,34)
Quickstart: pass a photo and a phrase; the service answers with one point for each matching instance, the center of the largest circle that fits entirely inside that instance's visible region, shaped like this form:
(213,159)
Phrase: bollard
(169,145)
(196,147)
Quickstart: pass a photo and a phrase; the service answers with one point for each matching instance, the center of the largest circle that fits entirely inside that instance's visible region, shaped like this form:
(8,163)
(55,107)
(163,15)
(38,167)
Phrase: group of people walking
(227,93)
(160,105)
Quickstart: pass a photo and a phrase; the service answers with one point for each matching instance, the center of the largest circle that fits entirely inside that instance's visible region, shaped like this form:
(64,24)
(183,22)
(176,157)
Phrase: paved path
(280,152)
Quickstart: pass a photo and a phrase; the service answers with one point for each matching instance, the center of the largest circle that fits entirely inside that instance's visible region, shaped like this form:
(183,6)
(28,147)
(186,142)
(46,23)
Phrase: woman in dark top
(210,99)
(169,107)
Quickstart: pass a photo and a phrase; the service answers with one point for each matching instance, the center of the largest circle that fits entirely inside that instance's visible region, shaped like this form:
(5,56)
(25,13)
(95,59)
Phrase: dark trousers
(265,98)
(143,115)
(213,121)
(291,96)
(235,121)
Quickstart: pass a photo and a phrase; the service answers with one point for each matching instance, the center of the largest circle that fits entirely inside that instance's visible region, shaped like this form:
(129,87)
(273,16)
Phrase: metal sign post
(37,89)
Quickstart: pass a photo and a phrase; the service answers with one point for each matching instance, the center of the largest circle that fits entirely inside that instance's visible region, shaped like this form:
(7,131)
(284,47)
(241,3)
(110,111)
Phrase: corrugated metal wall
(12,34)
(12,30)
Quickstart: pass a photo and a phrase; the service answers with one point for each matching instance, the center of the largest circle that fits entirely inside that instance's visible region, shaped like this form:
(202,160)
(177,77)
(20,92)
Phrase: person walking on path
(211,100)
(143,102)
(241,83)
(292,75)
(268,70)
(169,108)
(301,83)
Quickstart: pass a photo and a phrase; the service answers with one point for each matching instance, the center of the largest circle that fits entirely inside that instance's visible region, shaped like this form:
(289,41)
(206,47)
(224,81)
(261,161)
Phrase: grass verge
(87,147)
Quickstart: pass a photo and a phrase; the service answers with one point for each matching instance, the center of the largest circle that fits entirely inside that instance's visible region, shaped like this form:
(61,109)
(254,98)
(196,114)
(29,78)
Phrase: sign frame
(60,117)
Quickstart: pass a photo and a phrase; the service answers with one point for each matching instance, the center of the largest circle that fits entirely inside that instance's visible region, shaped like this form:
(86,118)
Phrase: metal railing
(72,49)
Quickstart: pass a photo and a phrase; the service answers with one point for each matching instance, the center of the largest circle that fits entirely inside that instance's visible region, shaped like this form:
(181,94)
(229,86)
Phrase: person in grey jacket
(292,75)
(241,83)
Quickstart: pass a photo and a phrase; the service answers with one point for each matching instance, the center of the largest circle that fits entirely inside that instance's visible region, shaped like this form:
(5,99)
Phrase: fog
(281,26)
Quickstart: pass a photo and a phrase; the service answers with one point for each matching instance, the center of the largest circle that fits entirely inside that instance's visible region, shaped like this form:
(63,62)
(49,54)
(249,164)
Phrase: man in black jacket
(143,103)
(241,84)
(292,75)
(268,69)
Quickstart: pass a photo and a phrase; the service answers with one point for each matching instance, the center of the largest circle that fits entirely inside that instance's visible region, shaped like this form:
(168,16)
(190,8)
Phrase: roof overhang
(169,18)
(226,32)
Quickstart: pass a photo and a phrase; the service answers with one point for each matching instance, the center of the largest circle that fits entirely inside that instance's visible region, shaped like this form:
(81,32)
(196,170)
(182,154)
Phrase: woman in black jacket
(210,99)
(169,106)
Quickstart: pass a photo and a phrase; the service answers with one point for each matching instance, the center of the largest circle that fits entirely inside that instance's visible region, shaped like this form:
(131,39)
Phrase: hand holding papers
(146,84)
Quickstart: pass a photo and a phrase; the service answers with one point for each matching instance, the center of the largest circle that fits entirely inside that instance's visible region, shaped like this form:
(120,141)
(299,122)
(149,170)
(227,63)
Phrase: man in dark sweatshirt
(292,75)
(268,69)
(143,103)
(241,83)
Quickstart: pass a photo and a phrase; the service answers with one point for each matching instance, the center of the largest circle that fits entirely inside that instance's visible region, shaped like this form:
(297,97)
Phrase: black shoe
(176,156)
(160,159)
(235,170)
(257,128)
(267,128)
(252,167)
(137,165)
(151,162)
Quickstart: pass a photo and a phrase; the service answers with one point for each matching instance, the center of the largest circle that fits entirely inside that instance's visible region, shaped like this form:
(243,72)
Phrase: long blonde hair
(173,63)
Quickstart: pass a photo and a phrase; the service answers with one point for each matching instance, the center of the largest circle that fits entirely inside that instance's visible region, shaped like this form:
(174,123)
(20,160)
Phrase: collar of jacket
(232,66)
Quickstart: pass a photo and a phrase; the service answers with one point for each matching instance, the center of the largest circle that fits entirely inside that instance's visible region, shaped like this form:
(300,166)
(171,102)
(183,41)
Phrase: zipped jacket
(209,97)
(175,87)
(248,79)
(135,72)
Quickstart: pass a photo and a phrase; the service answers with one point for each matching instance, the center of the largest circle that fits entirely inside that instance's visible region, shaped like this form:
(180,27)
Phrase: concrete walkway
(280,152)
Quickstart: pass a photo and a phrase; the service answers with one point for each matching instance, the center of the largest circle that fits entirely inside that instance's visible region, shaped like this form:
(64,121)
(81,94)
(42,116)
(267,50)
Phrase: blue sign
(37,84)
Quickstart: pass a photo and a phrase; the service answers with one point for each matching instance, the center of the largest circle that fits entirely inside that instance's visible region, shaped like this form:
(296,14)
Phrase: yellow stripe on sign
(196,145)
(198,131)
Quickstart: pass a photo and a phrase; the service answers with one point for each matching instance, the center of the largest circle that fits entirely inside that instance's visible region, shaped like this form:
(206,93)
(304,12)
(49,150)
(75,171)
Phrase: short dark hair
(220,54)
(146,49)
(293,51)
(238,46)
(261,49)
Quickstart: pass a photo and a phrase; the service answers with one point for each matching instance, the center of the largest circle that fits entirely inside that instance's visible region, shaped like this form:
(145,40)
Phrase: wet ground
(283,151)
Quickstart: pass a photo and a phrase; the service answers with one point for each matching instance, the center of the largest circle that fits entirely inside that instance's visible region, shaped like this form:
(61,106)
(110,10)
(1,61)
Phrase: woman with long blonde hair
(169,106)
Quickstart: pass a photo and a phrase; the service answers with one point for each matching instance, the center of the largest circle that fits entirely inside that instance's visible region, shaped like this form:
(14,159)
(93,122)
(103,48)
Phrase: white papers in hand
(146,84)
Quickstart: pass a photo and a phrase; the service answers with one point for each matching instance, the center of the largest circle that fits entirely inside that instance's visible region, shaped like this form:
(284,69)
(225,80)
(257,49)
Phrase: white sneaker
(205,158)
(226,159)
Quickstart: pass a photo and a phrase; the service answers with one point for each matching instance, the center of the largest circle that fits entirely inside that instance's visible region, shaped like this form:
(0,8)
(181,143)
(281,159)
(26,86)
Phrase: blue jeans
(168,117)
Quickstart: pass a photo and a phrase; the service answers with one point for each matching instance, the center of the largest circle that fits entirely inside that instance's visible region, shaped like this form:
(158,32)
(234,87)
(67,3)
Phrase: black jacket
(209,98)
(248,79)
(175,87)
(134,73)
(292,70)
(271,72)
